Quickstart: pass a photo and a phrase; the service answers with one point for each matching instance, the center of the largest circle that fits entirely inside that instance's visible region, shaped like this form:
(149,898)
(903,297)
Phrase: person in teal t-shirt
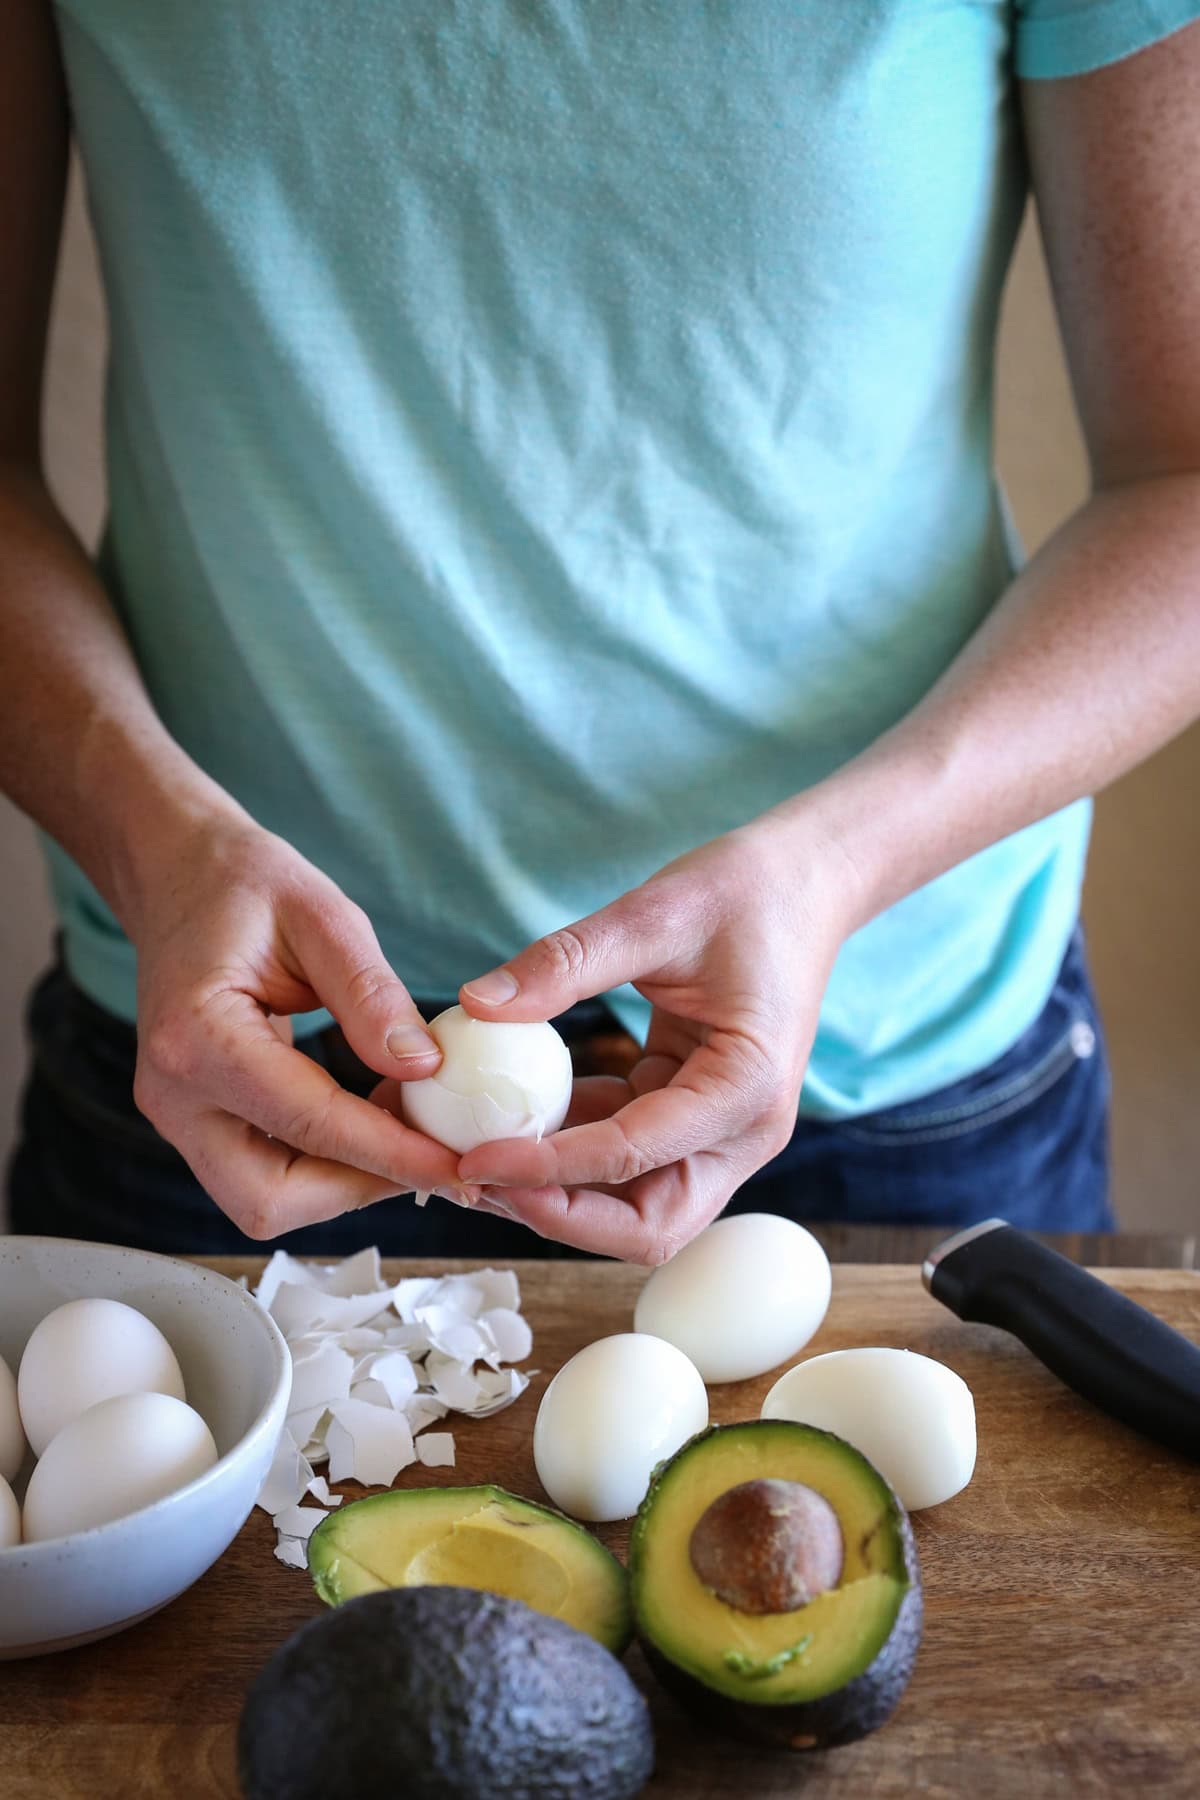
(554,547)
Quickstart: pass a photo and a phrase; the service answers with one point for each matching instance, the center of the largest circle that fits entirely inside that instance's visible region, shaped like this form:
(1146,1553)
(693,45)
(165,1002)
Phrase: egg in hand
(495,1081)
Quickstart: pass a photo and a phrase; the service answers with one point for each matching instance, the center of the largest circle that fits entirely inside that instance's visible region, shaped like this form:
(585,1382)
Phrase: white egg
(609,1416)
(10,1517)
(84,1352)
(911,1416)
(117,1457)
(495,1081)
(741,1298)
(12,1437)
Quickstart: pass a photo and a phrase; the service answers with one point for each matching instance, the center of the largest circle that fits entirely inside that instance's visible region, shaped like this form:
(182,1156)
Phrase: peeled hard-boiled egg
(495,1081)
(84,1352)
(741,1298)
(12,1437)
(10,1517)
(911,1416)
(120,1455)
(609,1416)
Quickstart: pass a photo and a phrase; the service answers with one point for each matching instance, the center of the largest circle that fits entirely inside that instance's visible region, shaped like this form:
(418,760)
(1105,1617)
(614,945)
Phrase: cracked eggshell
(746,1294)
(611,1414)
(911,1416)
(495,1081)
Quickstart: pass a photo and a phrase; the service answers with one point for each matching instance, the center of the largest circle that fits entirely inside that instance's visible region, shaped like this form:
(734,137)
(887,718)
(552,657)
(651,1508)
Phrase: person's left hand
(732,945)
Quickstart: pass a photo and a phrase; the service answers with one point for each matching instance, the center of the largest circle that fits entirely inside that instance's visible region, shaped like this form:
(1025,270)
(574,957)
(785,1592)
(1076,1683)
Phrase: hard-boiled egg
(741,1298)
(84,1352)
(495,1081)
(10,1517)
(12,1437)
(609,1416)
(118,1456)
(911,1416)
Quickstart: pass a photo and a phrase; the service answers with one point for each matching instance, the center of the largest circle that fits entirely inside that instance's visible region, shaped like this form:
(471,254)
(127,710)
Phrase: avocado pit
(768,1546)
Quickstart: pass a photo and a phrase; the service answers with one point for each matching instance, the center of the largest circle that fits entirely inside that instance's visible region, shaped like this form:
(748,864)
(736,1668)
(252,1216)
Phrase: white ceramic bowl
(237,1372)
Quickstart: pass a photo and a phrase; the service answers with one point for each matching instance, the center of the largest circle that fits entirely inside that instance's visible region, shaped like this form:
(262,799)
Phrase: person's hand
(234,930)
(732,945)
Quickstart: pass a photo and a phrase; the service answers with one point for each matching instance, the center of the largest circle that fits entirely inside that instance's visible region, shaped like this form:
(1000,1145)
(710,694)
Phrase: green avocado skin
(838,1718)
(443,1693)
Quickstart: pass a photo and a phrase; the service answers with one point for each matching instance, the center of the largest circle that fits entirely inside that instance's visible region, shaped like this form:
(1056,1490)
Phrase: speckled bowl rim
(268,1421)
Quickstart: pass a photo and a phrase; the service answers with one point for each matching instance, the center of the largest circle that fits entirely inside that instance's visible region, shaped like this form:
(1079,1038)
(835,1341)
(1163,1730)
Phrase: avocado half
(474,1537)
(823,1671)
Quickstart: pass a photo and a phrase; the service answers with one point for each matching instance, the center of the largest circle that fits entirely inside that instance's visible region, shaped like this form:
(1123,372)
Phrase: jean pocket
(1064,1034)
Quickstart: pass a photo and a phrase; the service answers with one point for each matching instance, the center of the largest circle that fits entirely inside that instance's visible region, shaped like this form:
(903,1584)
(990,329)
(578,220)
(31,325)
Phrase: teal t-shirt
(543,434)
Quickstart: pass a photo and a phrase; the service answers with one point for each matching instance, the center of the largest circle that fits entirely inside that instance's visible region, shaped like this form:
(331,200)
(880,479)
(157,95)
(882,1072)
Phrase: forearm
(1088,664)
(82,750)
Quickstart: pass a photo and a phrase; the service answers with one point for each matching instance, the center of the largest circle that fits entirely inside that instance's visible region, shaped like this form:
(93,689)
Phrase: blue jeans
(1026,1137)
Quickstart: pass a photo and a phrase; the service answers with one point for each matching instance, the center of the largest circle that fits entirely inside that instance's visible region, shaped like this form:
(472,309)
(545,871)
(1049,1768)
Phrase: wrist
(149,808)
(858,837)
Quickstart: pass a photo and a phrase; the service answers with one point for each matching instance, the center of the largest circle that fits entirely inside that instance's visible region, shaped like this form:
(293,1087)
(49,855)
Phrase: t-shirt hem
(1077,42)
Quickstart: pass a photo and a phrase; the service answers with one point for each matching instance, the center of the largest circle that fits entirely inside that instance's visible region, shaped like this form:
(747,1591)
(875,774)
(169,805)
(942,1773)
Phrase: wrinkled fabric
(543,434)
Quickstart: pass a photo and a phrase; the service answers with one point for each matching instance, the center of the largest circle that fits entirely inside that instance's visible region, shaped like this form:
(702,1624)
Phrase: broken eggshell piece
(372,1366)
(495,1081)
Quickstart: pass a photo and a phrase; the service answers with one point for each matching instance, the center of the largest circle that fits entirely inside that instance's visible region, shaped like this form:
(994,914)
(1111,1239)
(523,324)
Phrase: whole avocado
(443,1693)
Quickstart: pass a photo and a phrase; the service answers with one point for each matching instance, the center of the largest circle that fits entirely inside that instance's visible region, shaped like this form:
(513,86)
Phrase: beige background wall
(1144,879)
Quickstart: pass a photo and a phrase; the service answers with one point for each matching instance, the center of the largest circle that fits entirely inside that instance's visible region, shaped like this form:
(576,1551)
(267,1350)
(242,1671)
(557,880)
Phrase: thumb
(344,965)
(619,943)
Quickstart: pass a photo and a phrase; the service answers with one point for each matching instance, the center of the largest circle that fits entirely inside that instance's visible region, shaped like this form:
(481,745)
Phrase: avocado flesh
(473,1537)
(775,1660)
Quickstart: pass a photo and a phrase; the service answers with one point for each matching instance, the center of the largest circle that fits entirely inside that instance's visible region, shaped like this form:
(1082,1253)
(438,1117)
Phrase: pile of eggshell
(99,1397)
(743,1297)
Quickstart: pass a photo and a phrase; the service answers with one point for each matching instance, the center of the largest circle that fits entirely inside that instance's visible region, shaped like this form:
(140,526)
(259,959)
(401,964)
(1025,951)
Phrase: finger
(640,932)
(340,958)
(648,1223)
(652,1073)
(230,1057)
(264,1186)
(597,1097)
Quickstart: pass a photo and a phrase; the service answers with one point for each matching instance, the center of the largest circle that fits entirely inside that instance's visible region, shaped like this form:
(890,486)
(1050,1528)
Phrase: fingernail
(495,1197)
(456,1196)
(409,1040)
(494,989)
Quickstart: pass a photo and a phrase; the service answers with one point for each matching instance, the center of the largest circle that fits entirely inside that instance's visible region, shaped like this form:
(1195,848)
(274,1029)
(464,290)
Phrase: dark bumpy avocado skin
(838,1718)
(443,1694)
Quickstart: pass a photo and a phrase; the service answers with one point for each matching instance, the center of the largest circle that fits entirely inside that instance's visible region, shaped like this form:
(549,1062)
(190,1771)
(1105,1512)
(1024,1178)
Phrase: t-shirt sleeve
(1069,37)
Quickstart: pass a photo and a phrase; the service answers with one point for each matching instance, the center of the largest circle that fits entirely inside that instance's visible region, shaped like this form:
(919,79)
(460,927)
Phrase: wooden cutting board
(1062,1641)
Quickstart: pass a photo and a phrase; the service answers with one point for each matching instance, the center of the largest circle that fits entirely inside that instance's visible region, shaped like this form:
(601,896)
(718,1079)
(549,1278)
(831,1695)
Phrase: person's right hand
(234,930)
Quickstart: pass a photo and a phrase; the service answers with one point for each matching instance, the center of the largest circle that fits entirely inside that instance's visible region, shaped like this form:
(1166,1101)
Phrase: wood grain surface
(1061,1653)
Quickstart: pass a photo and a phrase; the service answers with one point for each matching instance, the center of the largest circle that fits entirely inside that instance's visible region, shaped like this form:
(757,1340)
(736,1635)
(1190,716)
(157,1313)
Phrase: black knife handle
(1096,1339)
